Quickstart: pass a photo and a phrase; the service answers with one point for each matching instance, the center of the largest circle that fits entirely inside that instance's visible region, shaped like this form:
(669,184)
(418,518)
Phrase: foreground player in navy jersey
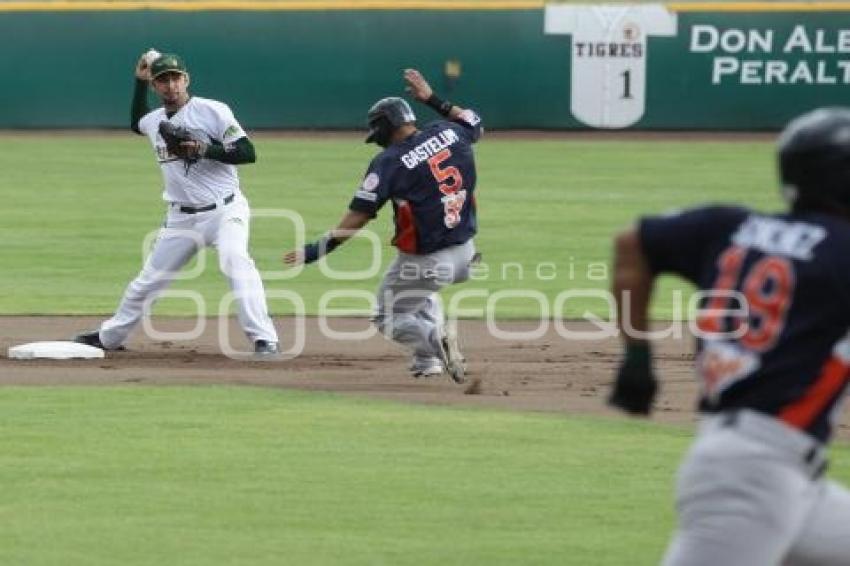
(429,176)
(773,355)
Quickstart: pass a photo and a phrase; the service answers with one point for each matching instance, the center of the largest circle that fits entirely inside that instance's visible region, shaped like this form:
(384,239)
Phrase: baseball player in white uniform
(198,144)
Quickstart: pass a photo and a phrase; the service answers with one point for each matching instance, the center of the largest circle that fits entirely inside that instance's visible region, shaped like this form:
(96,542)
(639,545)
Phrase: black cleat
(93,339)
(266,348)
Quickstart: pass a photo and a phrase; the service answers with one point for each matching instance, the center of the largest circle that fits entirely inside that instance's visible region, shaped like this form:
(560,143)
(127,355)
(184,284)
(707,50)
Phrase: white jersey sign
(206,181)
(608,64)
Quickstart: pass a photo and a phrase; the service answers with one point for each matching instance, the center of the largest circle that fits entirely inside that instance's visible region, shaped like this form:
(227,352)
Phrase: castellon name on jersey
(429,148)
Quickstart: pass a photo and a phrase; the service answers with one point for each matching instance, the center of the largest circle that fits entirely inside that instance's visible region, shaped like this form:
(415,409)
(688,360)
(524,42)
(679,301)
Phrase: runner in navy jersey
(429,177)
(773,355)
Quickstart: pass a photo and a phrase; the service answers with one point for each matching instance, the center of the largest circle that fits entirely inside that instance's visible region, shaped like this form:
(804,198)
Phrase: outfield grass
(220,475)
(244,476)
(77,209)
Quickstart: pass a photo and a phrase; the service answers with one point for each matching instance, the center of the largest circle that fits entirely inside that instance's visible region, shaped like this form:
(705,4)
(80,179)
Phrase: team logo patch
(370,183)
(231,131)
(722,364)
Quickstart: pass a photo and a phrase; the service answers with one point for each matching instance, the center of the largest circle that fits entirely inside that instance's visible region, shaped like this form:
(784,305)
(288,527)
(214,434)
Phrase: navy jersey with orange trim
(430,179)
(773,326)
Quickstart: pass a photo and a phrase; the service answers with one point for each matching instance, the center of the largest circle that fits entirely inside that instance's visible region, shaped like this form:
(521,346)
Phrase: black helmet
(386,116)
(814,160)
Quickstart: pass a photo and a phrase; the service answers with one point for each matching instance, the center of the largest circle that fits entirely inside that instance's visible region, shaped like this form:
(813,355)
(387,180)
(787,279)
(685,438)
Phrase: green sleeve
(237,153)
(139,107)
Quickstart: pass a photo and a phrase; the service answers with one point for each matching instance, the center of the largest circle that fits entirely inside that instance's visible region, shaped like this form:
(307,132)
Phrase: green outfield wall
(683,66)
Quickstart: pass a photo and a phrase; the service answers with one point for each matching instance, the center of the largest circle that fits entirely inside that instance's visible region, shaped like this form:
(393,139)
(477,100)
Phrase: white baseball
(150,56)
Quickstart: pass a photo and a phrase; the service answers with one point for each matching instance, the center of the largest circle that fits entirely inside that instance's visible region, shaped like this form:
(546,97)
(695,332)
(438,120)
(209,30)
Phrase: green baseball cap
(167,63)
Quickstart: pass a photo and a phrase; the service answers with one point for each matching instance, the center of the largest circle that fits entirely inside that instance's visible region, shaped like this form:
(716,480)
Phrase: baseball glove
(176,138)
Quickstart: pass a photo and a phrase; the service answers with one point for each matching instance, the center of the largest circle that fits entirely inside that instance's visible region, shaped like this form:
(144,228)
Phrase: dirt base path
(549,373)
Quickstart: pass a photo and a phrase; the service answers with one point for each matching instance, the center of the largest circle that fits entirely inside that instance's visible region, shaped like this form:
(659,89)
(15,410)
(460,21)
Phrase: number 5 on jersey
(451,186)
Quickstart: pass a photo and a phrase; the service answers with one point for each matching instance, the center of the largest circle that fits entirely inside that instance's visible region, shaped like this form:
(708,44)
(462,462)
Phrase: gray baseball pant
(750,493)
(408,305)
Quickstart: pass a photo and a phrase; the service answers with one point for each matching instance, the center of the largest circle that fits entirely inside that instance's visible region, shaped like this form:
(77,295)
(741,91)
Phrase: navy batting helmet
(814,160)
(385,117)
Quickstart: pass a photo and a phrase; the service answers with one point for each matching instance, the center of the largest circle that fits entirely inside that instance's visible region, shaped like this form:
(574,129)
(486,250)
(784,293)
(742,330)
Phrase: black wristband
(320,248)
(441,106)
(331,244)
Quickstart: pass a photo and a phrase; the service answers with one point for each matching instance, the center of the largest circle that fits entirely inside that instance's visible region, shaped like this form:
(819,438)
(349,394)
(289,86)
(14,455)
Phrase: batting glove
(636,386)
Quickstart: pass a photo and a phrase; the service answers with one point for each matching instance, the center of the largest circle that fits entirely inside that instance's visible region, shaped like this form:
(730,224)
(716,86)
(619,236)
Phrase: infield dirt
(550,373)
